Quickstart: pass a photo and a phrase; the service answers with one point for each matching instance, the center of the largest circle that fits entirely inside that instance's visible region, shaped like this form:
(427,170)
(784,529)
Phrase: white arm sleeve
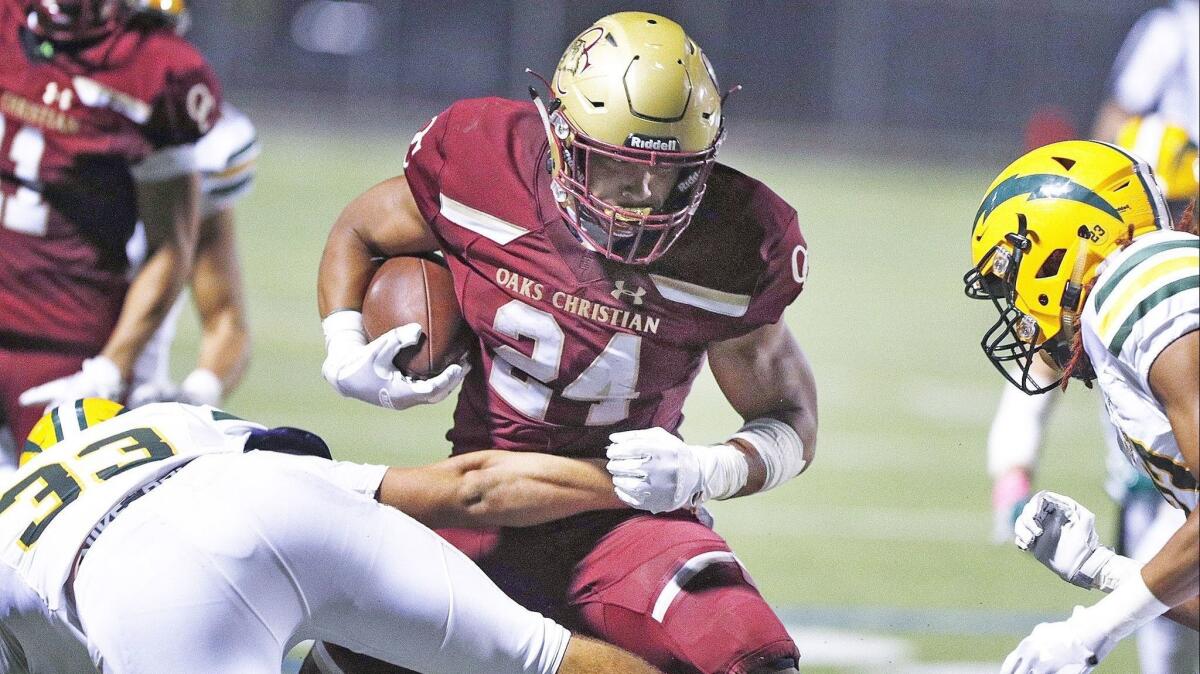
(1015,439)
(1146,59)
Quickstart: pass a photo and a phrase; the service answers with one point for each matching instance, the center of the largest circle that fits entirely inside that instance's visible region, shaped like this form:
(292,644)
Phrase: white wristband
(779,446)
(724,470)
(201,387)
(344,325)
(1114,571)
(1121,613)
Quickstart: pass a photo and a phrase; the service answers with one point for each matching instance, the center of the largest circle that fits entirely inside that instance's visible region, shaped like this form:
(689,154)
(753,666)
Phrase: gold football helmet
(635,92)
(1168,149)
(1045,225)
(66,421)
(74,20)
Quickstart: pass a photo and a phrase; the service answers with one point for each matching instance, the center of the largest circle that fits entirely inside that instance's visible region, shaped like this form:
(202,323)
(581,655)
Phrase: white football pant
(238,557)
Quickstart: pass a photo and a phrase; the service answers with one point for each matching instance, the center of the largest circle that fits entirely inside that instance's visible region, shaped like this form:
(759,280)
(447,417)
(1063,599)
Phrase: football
(415,289)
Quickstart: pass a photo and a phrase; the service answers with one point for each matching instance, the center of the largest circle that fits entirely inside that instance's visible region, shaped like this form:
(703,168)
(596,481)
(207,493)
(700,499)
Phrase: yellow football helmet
(66,421)
(633,88)
(1168,149)
(1045,225)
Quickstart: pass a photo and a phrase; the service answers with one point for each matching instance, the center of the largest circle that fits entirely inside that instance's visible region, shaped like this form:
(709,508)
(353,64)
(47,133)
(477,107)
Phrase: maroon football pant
(21,370)
(662,586)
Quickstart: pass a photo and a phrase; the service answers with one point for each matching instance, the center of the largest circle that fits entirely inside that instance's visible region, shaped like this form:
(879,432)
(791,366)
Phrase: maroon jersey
(71,126)
(575,347)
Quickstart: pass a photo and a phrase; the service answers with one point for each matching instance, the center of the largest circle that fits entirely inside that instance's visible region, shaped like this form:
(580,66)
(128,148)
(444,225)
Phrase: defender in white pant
(166,540)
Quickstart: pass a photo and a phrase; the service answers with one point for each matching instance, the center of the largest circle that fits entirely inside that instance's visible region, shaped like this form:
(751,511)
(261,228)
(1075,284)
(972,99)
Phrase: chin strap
(544,112)
(1072,299)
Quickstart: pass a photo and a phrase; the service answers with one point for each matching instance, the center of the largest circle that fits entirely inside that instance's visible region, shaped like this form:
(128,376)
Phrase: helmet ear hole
(1052,264)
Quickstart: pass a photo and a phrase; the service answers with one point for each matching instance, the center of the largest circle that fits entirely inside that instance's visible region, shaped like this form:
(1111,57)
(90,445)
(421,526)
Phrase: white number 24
(25,211)
(609,382)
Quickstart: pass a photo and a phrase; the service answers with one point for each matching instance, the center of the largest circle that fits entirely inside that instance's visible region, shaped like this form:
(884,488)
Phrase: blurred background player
(226,158)
(1157,71)
(131,570)
(100,120)
(1153,113)
(1073,244)
(580,233)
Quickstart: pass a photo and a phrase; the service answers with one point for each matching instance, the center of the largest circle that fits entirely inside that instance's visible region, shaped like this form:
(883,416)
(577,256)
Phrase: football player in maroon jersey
(98,119)
(602,255)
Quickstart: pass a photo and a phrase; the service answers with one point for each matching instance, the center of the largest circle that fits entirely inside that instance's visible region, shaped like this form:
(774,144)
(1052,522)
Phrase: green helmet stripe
(1042,186)
(80,415)
(58,432)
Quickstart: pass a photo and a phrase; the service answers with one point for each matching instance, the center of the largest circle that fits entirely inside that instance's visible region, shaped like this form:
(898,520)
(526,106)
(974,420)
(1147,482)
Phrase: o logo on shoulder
(200,104)
(800,264)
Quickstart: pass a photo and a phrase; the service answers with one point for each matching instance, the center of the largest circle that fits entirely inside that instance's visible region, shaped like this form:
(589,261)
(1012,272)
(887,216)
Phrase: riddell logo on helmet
(652,143)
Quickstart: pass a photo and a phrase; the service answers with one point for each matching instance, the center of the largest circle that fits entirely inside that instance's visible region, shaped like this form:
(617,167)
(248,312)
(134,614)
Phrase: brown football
(412,289)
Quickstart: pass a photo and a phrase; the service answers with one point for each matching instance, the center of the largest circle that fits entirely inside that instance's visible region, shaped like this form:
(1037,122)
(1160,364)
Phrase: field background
(878,557)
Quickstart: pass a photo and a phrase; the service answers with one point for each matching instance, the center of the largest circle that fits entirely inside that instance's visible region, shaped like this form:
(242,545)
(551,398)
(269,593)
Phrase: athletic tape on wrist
(779,446)
(725,471)
(345,323)
(1121,613)
(1114,571)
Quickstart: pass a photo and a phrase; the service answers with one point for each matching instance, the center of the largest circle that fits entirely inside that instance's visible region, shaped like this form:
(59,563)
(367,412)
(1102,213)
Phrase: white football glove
(654,470)
(365,371)
(1056,648)
(1061,534)
(99,377)
(201,387)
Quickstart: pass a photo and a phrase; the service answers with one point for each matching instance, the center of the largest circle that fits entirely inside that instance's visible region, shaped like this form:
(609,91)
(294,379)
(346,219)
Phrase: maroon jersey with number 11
(72,124)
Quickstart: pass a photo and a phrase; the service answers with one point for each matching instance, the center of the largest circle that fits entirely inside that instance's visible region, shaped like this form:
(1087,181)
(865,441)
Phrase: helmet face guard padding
(65,21)
(1047,223)
(1015,338)
(636,89)
(629,235)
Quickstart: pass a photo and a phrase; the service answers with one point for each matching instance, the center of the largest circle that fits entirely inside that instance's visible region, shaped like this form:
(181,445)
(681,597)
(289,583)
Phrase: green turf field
(879,553)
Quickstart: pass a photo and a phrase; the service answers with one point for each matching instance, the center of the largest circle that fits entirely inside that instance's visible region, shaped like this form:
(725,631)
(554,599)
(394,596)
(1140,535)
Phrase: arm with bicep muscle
(1173,575)
(499,488)
(382,222)
(767,380)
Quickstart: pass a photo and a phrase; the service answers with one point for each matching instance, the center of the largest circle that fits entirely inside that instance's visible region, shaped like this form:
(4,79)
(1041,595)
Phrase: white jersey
(232,559)
(225,157)
(1158,68)
(51,504)
(1147,296)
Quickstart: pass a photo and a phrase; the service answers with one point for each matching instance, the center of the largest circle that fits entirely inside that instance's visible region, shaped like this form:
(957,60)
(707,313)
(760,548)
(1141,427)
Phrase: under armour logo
(621,291)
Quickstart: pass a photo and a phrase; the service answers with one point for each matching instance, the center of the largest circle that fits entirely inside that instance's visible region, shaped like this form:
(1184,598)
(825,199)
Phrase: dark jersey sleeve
(784,255)
(188,101)
(424,162)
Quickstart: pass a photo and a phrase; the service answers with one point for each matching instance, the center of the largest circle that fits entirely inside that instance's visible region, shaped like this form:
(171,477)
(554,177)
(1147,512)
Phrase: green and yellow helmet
(1169,150)
(66,421)
(635,88)
(1045,225)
